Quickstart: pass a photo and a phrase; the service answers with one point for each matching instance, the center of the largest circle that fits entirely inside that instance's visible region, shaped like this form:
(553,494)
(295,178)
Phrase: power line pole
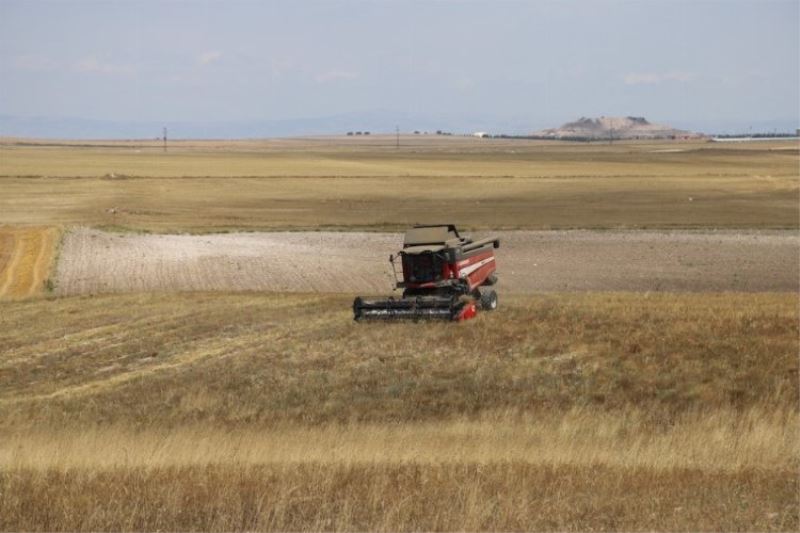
(165,139)
(397,131)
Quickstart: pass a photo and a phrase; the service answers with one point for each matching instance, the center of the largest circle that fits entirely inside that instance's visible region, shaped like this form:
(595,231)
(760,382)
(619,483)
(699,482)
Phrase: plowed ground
(26,256)
(94,261)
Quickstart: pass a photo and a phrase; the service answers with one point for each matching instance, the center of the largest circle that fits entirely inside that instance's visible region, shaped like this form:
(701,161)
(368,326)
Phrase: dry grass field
(204,411)
(346,183)
(268,411)
(26,259)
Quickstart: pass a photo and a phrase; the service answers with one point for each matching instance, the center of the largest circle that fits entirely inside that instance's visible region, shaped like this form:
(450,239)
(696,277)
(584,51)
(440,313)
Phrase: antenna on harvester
(165,138)
(397,131)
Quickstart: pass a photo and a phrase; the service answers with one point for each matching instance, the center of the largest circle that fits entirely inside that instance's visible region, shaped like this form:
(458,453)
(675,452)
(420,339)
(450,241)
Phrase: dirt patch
(6,250)
(651,261)
(529,261)
(26,254)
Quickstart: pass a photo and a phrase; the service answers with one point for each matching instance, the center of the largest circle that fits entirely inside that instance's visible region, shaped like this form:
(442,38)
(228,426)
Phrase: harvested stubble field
(348,183)
(206,411)
(94,261)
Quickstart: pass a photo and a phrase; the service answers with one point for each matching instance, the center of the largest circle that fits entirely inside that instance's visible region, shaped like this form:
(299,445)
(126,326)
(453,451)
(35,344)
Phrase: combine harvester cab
(445,276)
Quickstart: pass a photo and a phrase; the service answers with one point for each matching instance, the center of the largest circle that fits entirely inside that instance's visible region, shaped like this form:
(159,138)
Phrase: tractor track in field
(9,257)
(93,261)
(26,254)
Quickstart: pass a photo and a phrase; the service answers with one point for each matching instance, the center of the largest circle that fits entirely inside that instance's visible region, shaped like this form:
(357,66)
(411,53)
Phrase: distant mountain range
(377,121)
(374,121)
(613,128)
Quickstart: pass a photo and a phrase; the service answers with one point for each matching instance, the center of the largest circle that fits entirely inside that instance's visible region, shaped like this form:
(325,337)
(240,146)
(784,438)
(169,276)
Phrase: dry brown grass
(422,157)
(265,358)
(277,412)
(722,439)
(397,497)
(336,184)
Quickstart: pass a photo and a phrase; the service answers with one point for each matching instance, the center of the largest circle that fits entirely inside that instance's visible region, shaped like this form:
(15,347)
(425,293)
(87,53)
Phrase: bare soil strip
(93,261)
(26,254)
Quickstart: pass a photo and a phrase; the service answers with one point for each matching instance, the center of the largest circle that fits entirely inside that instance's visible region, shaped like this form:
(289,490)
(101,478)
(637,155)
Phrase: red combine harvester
(445,276)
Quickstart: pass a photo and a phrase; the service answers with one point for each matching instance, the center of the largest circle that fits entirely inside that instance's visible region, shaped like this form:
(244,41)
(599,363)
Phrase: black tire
(488,300)
(357,309)
(491,279)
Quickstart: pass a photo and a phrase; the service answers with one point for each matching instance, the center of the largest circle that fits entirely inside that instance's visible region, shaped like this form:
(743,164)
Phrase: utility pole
(165,139)
(397,131)
(611,134)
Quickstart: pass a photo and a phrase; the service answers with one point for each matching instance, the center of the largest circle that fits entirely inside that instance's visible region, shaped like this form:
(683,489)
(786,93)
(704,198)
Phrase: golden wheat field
(268,411)
(346,184)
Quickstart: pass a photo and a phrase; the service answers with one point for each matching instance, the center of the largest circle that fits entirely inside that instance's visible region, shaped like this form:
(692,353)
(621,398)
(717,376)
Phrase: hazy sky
(547,61)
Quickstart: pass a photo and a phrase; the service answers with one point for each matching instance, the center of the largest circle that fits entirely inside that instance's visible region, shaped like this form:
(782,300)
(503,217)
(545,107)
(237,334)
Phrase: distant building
(480,134)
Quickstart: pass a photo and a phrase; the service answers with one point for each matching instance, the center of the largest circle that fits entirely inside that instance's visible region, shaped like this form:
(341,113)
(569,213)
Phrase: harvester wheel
(357,308)
(488,300)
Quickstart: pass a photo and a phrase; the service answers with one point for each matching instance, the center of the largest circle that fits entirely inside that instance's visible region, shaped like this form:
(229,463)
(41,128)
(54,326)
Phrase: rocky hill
(612,127)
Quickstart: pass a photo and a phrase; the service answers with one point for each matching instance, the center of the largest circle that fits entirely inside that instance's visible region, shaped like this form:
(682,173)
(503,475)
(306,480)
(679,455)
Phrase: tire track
(7,274)
(6,250)
(191,352)
(25,260)
(41,265)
